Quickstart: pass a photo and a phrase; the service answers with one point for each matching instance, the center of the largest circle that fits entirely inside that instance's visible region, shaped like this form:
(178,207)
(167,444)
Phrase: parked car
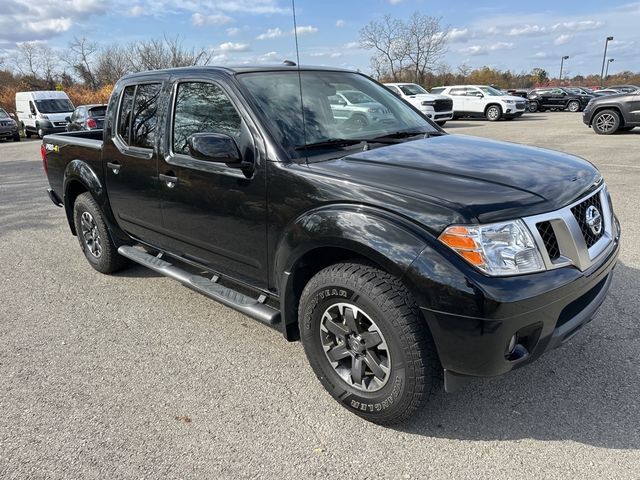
(482,101)
(357,108)
(556,98)
(8,127)
(607,91)
(518,92)
(397,253)
(86,117)
(613,113)
(436,107)
(624,88)
(43,112)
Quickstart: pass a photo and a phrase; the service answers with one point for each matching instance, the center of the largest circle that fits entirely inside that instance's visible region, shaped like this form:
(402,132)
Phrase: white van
(43,112)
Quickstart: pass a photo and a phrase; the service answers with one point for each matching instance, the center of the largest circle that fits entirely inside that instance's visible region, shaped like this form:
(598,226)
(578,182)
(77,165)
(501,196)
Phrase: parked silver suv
(358,108)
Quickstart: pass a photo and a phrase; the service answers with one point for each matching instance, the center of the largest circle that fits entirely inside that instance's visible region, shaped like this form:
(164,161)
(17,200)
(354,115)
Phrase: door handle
(114,166)
(169,181)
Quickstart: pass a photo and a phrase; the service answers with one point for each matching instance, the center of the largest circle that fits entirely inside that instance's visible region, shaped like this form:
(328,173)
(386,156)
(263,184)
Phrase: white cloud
(325,54)
(200,20)
(136,11)
(233,31)
(306,30)
(271,33)
(562,39)
(525,30)
(233,47)
(474,50)
(458,35)
(579,26)
(395,2)
(341,23)
(351,45)
(53,25)
(268,57)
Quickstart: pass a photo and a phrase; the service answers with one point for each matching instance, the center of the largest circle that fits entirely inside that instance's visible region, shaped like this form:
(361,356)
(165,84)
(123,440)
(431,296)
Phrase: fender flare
(386,239)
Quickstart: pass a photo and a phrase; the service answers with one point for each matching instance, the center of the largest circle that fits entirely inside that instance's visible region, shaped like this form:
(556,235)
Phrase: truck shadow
(588,390)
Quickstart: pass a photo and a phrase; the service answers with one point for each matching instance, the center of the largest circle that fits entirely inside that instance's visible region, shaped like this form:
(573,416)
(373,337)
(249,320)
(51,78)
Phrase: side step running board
(231,298)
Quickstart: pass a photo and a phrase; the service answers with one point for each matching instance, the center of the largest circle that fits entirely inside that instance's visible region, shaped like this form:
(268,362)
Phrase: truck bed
(64,148)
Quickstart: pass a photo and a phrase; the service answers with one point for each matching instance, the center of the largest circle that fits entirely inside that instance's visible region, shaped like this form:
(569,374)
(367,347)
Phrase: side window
(124,116)
(144,116)
(32,108)
(395,89)
(457,92)
(202,108)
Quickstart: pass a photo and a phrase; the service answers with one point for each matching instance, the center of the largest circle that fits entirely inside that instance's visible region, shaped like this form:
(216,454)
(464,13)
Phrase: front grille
(580,213)
(549,238)
(59,124)
(444,104)
(520,105)
(4,124)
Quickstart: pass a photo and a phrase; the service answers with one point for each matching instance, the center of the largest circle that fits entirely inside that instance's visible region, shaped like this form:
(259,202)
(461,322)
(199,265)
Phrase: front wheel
(94,237)
(367,342)
(573,106)
(606,122)
(534,107)
(493,113)
(16,137)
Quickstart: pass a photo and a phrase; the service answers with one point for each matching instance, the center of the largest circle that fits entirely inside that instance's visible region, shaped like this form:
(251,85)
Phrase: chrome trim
(571,242)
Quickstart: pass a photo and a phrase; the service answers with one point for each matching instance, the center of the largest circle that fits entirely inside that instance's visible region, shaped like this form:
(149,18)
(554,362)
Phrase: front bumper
(438,116)
(543,311)
(7,132)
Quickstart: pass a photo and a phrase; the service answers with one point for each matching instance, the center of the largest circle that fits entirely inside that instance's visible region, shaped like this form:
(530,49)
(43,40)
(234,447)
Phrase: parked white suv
(436,107)
(482,101)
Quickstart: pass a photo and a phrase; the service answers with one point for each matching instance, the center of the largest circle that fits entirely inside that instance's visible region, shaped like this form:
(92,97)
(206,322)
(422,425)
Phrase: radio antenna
(295,34)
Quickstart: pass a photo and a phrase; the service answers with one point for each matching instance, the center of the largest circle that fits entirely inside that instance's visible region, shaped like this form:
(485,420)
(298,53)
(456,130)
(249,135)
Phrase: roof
(232,70)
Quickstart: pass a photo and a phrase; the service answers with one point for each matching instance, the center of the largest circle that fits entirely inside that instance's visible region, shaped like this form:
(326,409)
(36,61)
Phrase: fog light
(512,345)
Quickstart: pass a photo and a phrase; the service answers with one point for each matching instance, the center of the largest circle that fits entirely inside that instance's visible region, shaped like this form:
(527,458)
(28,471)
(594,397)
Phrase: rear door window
(138,118)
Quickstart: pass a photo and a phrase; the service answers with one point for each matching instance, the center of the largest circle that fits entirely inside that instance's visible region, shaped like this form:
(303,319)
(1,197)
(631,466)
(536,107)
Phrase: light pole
(606,72)
(562,59)
(604,57)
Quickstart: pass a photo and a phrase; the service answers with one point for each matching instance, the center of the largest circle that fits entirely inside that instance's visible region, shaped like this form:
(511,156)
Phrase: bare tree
(112,63)
(37,63)
(425,43)
(385,37)
(166,53)
(81,53)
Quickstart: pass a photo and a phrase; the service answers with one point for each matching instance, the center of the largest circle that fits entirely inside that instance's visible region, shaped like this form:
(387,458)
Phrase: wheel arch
(493,104)
(328,236)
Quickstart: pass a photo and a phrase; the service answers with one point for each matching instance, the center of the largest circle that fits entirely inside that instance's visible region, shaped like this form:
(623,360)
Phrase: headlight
(497,249)
(509,101)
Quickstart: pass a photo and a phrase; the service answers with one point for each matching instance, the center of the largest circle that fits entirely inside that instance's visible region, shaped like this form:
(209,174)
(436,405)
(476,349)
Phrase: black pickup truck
(398,254)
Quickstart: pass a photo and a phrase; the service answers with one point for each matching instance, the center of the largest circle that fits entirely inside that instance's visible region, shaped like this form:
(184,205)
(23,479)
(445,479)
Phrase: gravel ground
(135,376)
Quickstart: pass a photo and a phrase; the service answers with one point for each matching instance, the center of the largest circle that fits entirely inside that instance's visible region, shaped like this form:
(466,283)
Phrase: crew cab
(613,113)
(436,107)
(482,101)
(557,98)
(398,254)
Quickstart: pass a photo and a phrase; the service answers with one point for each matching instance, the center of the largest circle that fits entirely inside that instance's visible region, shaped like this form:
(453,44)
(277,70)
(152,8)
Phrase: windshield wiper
(345,142)
(406,134)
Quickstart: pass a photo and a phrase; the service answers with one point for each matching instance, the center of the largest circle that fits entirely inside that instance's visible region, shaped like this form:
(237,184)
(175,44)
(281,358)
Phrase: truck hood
(427,97)
(479,179)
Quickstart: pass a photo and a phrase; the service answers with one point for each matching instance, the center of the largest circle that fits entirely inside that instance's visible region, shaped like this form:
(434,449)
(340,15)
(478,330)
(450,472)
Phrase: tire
(16,137)
(27,133)
(573,106)
(94,237)
(441,123)
(364,304)
(493,113)
(358,121)
(40,133)
(534,106)
(606,122)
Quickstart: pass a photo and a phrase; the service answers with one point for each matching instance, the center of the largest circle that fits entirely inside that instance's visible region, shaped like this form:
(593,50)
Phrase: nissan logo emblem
(594,220)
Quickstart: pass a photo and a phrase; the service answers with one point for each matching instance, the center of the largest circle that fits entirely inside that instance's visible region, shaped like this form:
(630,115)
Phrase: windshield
(4,114)
(412,89)
(277,95)
(357,97)
(490,91)
(57,105)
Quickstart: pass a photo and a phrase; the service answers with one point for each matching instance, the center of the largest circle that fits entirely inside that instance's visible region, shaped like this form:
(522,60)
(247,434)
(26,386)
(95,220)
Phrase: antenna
(295,34)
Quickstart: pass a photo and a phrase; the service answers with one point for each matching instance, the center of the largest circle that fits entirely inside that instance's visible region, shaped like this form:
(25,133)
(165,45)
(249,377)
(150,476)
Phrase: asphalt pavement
(134,376)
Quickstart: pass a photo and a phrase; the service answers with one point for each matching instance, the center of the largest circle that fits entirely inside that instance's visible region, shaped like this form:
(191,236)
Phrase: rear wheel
(94,237)
(27,133)
(493,113)
(606,122)
(534,107)
(367,343)
(573,106)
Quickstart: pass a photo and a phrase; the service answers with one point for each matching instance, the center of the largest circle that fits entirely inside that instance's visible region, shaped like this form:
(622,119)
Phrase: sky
(518,36)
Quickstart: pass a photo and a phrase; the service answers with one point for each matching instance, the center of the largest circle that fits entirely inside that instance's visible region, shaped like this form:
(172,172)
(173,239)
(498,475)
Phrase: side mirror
(479,95)
(214,147)
(12,115)
(68,119)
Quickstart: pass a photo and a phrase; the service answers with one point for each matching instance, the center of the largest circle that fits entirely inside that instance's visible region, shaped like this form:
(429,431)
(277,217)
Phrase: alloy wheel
(355,347)
(91,234)
(605,122)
